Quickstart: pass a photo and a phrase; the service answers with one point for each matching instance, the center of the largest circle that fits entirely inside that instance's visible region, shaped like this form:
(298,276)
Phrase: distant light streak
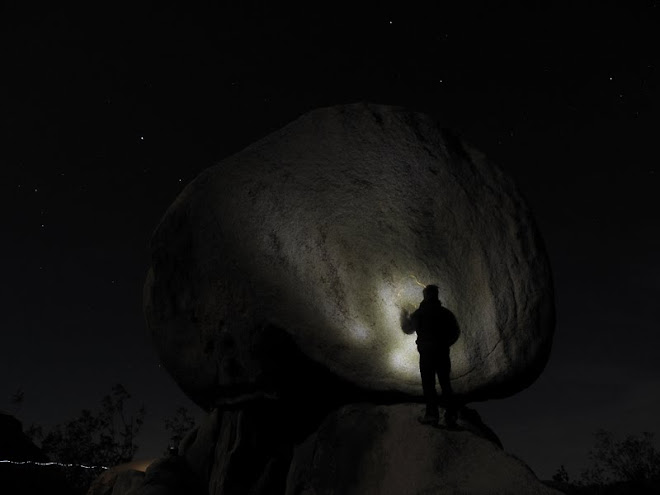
(34,463)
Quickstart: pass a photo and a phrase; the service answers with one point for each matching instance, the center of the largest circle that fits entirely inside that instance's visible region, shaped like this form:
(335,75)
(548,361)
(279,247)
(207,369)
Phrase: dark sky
(106,114)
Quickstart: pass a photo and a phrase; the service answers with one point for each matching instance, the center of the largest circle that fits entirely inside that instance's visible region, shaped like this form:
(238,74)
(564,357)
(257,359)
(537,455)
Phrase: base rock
(359,448)
(381,450)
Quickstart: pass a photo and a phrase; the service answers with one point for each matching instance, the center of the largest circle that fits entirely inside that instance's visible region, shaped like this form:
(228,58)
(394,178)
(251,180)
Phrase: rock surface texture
(304,248)
(278,282)
(382,450)
(359,448)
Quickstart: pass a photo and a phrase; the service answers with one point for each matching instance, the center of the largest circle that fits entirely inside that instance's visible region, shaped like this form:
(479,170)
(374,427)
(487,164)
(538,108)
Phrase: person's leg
(444,370)
(427,370)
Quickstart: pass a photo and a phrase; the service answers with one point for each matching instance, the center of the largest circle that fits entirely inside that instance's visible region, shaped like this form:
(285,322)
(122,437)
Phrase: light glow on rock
(405,362)
(401,356)
(360,332)
(401,352)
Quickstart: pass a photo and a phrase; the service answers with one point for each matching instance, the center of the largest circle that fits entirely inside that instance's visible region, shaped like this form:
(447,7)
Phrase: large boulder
(381,450)
(295,257)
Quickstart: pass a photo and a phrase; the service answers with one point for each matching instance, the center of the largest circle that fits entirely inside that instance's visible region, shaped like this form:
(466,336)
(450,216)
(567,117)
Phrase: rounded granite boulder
(300,252)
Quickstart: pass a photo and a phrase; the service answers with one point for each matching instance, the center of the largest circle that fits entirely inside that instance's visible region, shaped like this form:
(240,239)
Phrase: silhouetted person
(437,330)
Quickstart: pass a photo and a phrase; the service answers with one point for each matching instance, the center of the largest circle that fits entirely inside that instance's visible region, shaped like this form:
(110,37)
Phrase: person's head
(431,293)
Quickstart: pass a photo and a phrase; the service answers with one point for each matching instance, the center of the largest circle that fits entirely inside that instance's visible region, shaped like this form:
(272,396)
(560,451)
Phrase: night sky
(106,114)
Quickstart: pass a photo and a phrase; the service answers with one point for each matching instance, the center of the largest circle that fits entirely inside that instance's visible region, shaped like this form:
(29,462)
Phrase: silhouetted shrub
(629,466)
(103,438)
(634,459)
(178,425)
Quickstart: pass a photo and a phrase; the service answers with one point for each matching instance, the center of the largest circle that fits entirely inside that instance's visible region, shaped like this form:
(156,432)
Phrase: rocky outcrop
(274,299)
(324,231)
(246,450)
(381,450)
(127,481)
(171,475)
(356,449)
(120,479)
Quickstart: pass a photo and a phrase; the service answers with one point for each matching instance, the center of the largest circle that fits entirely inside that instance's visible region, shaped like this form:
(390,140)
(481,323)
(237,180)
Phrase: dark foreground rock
(14,444)
(357,449)
(121,478)
(324,230)
(381,450)
(24,470)
(170,475)
(640,487)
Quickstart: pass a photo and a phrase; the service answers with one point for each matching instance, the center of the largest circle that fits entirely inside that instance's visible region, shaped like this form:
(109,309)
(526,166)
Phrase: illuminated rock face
(316,237)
